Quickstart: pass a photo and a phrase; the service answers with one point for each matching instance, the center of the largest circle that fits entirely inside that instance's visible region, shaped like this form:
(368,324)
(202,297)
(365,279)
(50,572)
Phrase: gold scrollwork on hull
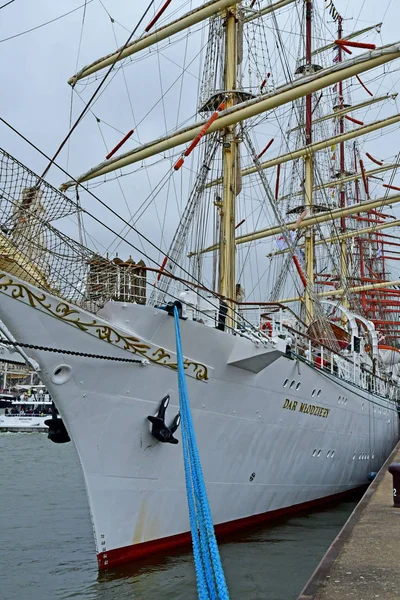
(65,313)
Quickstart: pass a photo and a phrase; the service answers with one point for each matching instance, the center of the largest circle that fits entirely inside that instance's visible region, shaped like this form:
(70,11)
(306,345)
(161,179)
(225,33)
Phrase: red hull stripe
(136,552)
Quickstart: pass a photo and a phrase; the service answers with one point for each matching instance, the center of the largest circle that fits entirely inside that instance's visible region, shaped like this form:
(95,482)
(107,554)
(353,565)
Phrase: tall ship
(265,214)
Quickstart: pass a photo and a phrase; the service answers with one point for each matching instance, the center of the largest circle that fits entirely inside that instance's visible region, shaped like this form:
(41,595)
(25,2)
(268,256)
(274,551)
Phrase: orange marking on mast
(343,47)
(278,175)
(364,45)
(391,187)
(164,262)
(300,270)
(158,15)
(353,120)
(240,223)
(266,148)
(364,177)
(118,146)
(206,127)
(364,86)
(179,163)
(377,162)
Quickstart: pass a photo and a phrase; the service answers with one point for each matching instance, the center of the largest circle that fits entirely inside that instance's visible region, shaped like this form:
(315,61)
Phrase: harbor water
(48,549)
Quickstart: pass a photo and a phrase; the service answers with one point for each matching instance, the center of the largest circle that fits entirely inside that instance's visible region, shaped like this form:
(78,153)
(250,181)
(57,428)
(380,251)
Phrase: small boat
(25,412)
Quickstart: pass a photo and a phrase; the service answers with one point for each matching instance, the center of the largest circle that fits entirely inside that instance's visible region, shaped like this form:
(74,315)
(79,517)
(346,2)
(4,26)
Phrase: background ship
(293,400)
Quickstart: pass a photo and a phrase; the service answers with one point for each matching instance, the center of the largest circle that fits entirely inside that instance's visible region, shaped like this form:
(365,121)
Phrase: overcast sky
(36,99)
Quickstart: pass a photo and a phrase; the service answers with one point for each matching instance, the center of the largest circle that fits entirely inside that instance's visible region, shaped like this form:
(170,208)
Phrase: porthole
(319,453)
(298,386)
(328,454)
(339,399)
(332,453)
(354,457)
(345,401)
(373,456)
(360,457)
(314,453)
(367,456)
(362,405)
(292,384)
(318,393)
(313,393)
(285,382)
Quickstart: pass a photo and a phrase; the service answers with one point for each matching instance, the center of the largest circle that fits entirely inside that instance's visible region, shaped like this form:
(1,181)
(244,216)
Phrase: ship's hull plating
(270,441)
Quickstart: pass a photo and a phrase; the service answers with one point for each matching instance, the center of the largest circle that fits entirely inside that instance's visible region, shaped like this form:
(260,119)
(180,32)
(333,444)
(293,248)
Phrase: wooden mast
(309,174)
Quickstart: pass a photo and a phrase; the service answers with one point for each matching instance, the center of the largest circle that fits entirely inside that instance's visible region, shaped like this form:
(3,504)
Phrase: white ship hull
(261,453)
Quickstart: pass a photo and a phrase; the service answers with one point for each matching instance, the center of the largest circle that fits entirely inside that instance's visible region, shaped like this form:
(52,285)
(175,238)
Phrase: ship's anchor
(159,429)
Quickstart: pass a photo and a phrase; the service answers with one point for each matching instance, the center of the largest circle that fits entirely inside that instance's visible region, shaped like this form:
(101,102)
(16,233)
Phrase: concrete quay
(363,562)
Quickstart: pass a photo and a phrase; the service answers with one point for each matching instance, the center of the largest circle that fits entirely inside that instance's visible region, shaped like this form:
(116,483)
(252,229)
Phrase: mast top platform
(218,97)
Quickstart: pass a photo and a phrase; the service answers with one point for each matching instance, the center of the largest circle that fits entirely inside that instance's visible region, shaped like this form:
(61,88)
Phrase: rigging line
(81,36)
(137,133)
(11,37)
(159,51)
(104,204)
(4,5)
(76,67)
(121,190)
(97,90)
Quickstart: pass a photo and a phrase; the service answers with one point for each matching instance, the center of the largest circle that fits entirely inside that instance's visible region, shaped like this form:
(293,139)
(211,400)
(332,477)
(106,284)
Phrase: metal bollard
(394,469)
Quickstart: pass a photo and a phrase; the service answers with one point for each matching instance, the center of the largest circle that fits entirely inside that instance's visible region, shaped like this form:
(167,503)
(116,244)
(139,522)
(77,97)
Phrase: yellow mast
(227,258)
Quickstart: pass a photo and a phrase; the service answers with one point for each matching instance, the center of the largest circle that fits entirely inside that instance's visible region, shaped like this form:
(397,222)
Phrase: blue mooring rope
(210,576)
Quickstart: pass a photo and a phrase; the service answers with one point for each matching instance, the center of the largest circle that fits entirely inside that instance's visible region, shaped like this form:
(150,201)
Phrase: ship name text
(308,409)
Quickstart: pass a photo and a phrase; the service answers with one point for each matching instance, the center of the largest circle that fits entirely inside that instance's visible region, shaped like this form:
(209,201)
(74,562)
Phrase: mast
(342,201)
(309,175)
(227,258)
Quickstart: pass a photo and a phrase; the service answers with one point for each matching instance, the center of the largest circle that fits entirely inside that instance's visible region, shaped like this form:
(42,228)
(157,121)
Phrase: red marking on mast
(198,137)
(266,148)
(179,163)
(364,86)
(365,46)
(158,15)
(353,120)
(164,262)
(240,223)
(391,187)
(118,146)
(265,81)
(278,174)
(343,47)
(300,270)
(365,179)
(377,162)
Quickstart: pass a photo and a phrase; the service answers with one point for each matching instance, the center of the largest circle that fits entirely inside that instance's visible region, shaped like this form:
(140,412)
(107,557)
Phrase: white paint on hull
(136,486)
